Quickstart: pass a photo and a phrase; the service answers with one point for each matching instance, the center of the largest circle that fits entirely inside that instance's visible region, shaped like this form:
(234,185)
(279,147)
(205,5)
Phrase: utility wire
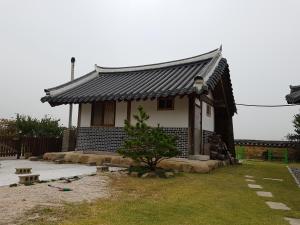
(267,106)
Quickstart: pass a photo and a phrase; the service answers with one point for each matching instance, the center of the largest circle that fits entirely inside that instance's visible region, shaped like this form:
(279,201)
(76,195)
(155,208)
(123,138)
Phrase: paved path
(273,205)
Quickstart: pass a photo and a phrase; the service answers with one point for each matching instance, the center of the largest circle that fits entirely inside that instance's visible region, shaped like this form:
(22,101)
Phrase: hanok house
(294,96)
(191,98)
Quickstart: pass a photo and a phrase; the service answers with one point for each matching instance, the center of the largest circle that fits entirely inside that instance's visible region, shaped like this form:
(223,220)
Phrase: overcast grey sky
(261,41)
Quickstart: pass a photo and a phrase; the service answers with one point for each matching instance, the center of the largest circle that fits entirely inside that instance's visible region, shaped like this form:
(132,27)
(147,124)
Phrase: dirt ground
(15,201)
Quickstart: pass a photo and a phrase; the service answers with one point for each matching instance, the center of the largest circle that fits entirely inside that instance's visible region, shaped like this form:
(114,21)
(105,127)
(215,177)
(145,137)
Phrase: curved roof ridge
(197,58)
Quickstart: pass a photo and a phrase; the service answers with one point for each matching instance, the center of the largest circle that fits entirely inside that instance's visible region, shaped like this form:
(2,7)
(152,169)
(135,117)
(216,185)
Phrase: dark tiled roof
(294,96)
(264,143)
(142,82)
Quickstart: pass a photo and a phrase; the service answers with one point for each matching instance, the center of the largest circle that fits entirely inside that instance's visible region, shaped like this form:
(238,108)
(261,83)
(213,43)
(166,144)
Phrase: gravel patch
(15,201)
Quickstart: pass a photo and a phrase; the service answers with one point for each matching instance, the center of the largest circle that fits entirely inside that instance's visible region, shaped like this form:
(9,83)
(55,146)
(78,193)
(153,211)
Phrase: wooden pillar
(79,115)
(201,129)
(191,121)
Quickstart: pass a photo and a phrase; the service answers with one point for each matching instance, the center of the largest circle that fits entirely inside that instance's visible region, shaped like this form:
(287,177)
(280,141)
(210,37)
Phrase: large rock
(84,159)
(51,156)
(72,157)
(178,164)
(200,168)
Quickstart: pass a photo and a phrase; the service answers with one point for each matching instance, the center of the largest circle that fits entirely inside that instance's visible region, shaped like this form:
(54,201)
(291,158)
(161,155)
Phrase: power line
(266,106)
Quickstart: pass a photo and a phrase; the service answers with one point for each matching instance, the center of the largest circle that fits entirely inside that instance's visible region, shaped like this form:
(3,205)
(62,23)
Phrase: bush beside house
(147,145)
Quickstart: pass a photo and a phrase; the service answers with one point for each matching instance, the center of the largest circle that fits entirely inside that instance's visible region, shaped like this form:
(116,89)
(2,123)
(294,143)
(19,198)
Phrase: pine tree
(296,135)
(147,144)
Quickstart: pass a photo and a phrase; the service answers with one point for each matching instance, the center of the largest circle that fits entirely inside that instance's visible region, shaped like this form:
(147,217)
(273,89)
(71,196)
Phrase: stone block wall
(109,139)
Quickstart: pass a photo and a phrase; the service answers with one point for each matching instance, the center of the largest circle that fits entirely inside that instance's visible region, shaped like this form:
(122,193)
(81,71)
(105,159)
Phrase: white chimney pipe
(72,78)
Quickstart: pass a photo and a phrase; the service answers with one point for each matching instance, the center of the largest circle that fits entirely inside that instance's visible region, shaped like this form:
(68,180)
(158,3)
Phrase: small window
(165,104)
(103,114)
(208,110)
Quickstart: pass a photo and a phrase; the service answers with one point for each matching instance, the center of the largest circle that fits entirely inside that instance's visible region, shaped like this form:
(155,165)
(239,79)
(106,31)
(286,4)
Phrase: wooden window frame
(102,119)
(166,98)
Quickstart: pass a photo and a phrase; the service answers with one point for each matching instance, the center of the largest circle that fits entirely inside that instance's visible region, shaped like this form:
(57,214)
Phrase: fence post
(240,152)
(269,155)
(18,145)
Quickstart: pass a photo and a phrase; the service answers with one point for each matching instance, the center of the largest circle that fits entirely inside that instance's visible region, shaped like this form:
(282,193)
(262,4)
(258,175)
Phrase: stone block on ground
(273,179)
(292,221)
(254,186)
(249,180)
(264,194)
(29,179)
(101,169)
(23,170)
(277,205)
(248,176)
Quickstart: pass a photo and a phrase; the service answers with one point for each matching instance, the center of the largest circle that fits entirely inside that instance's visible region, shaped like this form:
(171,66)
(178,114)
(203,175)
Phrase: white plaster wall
(166,118)
(208,123)
(121,113)
(85,117)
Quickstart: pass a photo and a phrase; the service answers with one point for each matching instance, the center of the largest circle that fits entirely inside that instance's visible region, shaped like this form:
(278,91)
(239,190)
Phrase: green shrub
(145,144)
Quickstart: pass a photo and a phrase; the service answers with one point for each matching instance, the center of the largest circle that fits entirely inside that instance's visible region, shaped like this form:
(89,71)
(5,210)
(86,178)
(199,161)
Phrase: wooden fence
(28,146)
(7,147)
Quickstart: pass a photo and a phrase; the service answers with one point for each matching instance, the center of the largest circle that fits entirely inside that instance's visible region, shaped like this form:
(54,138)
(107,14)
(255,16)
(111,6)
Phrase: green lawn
(221,197)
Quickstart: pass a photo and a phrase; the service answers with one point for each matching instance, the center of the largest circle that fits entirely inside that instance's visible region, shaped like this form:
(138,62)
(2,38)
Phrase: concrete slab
(249,180)
(248,176)
(292,221)
(47,170)
(273,179)
(254,186)
(264,194)
(277,205)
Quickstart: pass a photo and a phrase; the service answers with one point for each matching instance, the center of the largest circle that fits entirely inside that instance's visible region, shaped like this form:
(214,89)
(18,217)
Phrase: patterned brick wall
(110,138)
(206,134)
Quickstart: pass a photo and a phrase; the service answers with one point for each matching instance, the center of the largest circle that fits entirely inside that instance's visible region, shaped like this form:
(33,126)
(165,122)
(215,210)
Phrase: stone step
(28,179)
(101,169)
(23,170)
